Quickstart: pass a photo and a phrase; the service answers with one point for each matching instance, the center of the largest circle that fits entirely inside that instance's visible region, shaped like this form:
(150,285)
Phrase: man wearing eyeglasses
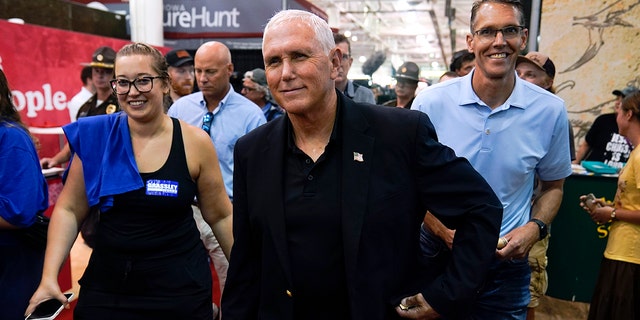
(350,89)
(226,116)
(254,87)
(509,130)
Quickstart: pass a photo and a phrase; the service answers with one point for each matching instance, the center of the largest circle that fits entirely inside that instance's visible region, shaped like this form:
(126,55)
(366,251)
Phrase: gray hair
(321,28)
(259,87)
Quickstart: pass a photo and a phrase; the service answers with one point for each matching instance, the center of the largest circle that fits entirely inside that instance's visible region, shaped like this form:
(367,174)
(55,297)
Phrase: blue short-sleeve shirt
(507,145)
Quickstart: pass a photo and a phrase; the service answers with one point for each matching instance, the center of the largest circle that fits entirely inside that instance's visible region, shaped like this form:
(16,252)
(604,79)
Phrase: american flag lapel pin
(357,156)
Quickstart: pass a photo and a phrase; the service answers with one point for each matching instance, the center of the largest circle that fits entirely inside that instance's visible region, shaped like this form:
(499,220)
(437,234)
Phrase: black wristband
(542,227)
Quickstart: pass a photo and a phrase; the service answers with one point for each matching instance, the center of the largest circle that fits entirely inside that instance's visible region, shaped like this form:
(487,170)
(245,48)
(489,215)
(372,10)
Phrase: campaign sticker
(165,188)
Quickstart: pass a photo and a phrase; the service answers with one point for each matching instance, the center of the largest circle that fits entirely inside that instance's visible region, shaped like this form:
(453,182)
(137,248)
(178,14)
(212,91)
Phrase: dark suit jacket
(404,171)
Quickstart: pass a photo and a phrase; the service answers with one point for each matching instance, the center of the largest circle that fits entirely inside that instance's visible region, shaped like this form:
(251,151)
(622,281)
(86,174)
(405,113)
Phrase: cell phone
(48,309)
(589,201)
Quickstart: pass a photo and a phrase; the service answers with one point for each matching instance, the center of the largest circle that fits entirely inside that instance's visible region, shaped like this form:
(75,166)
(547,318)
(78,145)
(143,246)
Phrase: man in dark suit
(329,198)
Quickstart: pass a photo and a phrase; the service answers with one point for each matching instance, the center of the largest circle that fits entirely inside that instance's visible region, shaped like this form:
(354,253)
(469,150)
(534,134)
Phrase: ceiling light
(347,33)
(421,39)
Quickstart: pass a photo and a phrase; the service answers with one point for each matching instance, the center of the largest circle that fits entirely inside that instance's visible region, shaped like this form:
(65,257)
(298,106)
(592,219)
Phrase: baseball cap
(103,57)
(539,60)
(178,58)
(258,76)
(625,91)
(409,71)
(458,56)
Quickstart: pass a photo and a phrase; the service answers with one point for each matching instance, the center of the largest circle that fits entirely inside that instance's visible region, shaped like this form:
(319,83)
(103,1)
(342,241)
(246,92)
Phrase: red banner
(43,68)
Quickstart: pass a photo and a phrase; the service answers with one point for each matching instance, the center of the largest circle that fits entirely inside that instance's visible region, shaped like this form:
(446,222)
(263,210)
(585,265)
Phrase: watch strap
(541,226)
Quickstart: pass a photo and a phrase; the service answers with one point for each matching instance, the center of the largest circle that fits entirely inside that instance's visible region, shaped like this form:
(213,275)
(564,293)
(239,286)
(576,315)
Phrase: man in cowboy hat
(102,102)
(407,78)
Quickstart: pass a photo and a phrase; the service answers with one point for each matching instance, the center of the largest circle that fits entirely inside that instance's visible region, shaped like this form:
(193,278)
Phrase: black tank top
(156,220)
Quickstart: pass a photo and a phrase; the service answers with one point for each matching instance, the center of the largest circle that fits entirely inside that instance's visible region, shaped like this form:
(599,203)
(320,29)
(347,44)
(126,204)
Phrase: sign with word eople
(43,68)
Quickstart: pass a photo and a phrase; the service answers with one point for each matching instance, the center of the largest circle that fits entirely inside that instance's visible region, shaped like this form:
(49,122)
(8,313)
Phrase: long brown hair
(159,64)
(9,115)
(8,112)
(632,102)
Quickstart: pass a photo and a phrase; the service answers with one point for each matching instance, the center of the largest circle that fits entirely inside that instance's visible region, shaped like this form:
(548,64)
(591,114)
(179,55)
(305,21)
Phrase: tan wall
(595,46)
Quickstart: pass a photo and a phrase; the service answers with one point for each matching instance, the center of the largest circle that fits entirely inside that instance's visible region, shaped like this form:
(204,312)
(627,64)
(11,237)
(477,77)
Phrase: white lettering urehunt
(179,16)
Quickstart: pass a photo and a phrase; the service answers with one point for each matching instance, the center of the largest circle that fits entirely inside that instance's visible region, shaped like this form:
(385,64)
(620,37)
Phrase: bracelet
(613,214)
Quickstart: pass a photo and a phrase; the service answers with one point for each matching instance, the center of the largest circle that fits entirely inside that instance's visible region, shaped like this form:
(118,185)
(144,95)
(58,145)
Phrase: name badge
(166,188)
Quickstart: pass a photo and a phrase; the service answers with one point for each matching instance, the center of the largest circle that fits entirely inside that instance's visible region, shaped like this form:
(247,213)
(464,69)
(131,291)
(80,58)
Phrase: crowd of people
(304,187)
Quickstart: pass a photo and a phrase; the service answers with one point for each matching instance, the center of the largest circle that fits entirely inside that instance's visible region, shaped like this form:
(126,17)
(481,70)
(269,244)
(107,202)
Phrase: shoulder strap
(177,143)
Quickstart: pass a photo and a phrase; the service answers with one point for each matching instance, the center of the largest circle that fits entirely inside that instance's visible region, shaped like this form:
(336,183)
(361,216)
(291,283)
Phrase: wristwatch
(542,226)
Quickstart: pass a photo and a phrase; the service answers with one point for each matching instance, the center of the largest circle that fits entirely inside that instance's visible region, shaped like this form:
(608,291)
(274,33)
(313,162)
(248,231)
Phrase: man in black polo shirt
(330,230)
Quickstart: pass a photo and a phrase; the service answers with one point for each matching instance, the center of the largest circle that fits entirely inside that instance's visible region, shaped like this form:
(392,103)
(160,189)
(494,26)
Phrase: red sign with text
(43,68)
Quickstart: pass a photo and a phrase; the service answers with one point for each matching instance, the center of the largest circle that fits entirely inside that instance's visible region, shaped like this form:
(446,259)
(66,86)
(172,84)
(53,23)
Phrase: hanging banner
(222,19)
(43,68)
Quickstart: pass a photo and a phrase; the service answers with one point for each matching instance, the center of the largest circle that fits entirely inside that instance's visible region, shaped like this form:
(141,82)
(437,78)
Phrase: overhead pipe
(434,21)
(534,25)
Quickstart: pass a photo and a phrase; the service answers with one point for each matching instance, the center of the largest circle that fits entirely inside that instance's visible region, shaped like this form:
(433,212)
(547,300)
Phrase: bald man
(226,116)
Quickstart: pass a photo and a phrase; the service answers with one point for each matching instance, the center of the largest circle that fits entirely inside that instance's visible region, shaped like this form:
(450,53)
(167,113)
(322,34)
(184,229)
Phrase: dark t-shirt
(394,103)
(606,144)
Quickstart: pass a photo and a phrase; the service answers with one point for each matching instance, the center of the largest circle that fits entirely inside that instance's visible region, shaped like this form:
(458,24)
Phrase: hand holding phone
(590,202)
(48,309)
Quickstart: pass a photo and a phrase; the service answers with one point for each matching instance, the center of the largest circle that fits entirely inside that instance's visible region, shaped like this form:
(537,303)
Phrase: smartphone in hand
(48,309)
(590,201)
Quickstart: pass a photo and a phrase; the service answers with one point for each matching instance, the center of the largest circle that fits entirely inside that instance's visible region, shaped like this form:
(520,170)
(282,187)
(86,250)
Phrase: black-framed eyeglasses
(207,120)
(488,34)
(142,84)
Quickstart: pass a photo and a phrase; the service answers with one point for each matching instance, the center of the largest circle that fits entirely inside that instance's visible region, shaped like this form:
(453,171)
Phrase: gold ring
(502,242)
(403,307)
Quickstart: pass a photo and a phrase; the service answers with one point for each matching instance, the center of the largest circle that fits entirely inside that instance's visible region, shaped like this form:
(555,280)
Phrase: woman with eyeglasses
(142,169)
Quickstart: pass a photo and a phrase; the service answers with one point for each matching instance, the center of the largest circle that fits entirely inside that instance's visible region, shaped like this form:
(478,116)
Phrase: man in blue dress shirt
(510,130)
(223,113)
